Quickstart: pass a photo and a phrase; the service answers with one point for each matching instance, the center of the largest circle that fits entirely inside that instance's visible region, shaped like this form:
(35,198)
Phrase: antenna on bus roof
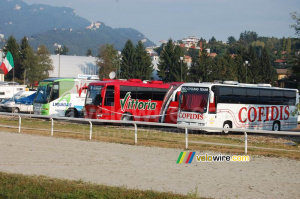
(231,82)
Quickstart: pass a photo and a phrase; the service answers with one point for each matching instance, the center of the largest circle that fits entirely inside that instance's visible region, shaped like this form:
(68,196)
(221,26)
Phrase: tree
(289,45)
(45,63)
(202,69)
(231,40)
(267,71)
(89,53)
(31,66)
(13,47)
(296,65)
(170,66)
(295,16)
(248,37)
(61,50)
(107,60)
(23,54)
(128,62)
(143,62)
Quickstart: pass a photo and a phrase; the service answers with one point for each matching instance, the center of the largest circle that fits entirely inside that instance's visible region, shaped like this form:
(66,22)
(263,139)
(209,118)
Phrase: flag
(8,63)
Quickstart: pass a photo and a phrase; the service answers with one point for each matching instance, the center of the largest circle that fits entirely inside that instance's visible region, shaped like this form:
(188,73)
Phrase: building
(72,66)
(282,75)
(190,41)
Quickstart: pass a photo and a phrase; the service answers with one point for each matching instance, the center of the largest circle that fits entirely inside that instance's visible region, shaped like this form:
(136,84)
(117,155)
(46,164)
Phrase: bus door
(108,109)
(57,106)
(211,119)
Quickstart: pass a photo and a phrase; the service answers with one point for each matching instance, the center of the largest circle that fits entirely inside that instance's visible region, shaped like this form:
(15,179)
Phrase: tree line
(29,65)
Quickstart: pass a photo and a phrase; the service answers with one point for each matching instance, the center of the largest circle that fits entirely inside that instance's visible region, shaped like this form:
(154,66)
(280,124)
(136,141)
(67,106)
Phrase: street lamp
(246,64)
(118,67)
(59,51)
(181,58)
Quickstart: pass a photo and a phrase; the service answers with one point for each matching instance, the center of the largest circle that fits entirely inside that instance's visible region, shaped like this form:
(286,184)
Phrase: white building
(72,66)
(190,41)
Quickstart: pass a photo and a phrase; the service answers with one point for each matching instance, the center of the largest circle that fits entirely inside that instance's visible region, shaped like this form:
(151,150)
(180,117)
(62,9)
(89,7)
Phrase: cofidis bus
(234,105)
(60,97)
(131,100)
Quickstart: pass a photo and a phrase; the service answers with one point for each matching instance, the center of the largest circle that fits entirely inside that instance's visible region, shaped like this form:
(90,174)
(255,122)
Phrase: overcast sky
(176,19)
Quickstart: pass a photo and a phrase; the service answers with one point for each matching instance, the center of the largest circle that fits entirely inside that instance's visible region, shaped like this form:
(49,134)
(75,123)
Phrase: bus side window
(109,96)
(55,92)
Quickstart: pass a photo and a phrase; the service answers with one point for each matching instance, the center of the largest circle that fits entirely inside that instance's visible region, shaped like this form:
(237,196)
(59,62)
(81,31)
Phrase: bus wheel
(226,125)
(126,117)
(70,113)
(276,126)
(16,110)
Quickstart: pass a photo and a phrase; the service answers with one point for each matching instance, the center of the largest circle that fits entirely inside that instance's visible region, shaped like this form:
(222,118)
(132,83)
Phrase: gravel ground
(148,168)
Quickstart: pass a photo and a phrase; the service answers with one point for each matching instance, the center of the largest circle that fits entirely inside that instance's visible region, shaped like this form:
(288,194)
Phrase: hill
(20,19)
(80,40)
(48,25)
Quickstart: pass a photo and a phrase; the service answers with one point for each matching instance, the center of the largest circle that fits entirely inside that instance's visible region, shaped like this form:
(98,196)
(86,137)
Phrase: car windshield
(194,99)
(43,93)
(93,96)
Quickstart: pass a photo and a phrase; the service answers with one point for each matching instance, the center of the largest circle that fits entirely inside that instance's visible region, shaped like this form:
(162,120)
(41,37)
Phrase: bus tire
(16,110)
(127,117)
(226,125)
(276,126)
(71,113)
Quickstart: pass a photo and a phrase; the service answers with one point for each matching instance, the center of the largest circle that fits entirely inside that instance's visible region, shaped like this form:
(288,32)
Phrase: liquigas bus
(241,106)
(60,97)
(132,100)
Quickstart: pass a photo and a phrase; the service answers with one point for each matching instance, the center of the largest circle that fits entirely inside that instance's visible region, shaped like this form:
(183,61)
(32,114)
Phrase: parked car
(2,101)
(21,102)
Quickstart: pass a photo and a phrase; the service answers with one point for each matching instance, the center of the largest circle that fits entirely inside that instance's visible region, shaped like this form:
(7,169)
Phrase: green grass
(21,186)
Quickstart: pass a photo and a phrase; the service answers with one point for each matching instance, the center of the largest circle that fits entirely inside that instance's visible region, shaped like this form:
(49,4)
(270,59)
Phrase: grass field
(166,138)
(20,186)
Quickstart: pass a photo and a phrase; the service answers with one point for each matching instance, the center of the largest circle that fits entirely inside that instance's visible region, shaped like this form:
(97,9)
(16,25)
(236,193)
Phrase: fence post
(186,139)
(20,124)
(135,133)
(246,142)
(91,130)
(51,127)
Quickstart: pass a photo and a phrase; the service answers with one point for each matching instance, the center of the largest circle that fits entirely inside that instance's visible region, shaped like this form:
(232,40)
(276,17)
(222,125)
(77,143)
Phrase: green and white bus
(60,97)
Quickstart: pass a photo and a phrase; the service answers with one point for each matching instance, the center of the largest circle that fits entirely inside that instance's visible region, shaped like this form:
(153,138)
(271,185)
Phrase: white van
(16,105)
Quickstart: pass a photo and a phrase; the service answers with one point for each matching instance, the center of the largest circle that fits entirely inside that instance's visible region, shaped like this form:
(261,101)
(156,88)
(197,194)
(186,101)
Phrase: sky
(176,19)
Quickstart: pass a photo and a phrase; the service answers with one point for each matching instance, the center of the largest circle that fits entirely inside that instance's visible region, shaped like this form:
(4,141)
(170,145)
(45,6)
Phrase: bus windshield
(93,96)
(43,94)
(194,99)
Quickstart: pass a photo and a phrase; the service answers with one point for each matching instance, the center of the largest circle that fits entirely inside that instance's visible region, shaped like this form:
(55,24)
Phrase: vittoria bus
(245,106)
(134,99)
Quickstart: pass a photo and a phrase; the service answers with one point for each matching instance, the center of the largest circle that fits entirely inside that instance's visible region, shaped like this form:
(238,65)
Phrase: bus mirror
(212,97)
(81,89)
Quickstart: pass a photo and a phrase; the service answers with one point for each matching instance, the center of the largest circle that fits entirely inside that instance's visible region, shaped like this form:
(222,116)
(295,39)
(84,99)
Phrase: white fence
(136,123)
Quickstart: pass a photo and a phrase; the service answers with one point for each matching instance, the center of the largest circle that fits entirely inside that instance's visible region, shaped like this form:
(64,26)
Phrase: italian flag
(8,63)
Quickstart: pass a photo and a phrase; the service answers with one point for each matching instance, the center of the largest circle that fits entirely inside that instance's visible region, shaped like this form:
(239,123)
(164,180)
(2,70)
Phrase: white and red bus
(132,100)
(242,106)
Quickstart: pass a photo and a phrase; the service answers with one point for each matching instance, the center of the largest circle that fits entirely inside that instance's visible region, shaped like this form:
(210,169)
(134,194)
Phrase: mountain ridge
(44,24)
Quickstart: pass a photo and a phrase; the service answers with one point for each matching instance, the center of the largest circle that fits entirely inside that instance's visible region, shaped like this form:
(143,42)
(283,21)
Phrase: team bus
(131,100)
(60,97)
(234,105)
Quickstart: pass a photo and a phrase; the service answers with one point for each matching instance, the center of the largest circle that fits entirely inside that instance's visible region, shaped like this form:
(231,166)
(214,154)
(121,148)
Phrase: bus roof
(132,82)
(244,85)
(55,79)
